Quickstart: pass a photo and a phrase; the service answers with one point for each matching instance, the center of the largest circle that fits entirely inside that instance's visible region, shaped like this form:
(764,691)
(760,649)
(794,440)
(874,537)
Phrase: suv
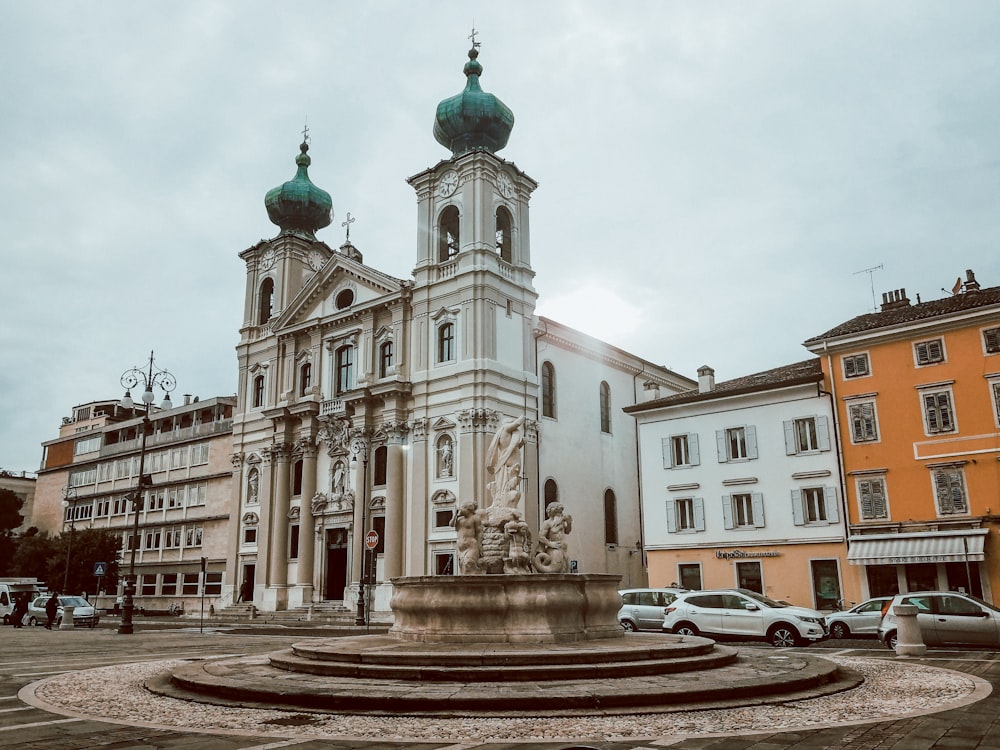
(742,614)
(946,618)
(644,609)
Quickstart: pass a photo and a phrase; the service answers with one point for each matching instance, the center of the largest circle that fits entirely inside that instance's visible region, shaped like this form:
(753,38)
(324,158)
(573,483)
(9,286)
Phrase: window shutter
(671,516)
(789,426)
(996,400)
(861,364)
(879,505)
(727,512)
(943,492)
(798,515)
(849,369)
(922,353)
(693,453)
(758,510)
(830,504)
(823,433)
(665,447)
(935,350)
(991,337)
(699,513)
(751,433)
(865,499)
(944,412)
(720,442)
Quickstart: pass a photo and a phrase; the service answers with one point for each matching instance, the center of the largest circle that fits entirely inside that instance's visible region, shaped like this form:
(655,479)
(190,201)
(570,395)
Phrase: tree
(10,506)
(89,546)
(33,556)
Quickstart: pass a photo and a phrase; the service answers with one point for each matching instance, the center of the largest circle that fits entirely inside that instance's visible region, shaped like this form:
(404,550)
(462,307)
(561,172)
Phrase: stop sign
(371,539)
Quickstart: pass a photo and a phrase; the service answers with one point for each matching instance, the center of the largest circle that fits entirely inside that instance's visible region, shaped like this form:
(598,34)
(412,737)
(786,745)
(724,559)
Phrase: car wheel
(783,636)
(891,639)
(32,621)
(839,630)
(685,628)
(629,626)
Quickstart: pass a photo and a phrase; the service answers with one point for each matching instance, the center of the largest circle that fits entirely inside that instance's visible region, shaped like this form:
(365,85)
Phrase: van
(11,587)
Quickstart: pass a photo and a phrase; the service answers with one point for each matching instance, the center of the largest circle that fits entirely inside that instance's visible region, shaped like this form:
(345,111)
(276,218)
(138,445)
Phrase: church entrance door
(336,563)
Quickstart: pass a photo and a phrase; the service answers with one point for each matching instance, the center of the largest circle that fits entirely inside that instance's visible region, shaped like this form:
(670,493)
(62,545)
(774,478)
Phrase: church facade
(367,403)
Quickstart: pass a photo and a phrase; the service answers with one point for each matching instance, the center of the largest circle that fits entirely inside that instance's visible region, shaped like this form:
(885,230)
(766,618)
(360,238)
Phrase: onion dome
(473,119)
(298,205)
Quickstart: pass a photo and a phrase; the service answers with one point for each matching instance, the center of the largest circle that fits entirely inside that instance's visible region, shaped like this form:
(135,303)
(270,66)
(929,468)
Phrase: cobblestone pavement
(32,654)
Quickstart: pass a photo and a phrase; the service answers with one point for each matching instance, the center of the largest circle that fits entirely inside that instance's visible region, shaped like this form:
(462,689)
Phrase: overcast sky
(714,177)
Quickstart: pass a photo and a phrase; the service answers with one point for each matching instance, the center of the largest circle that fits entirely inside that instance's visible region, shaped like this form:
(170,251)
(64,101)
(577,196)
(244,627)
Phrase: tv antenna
(871,280)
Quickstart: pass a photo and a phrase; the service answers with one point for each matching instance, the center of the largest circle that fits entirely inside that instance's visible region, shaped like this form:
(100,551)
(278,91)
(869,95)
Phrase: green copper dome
(298,204)
(473,119)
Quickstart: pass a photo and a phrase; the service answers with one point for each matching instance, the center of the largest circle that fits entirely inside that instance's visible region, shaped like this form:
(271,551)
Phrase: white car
(743,614)
(83,612)
(861,620)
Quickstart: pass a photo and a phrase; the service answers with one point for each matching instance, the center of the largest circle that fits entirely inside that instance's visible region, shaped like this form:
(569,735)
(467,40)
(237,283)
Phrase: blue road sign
(100,569)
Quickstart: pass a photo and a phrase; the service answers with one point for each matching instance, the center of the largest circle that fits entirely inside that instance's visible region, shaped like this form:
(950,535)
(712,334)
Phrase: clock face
(316,260)
(447,184)
(267,260)
(505,186)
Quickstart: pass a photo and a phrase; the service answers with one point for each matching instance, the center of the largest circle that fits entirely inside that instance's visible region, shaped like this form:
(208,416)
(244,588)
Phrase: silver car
(860,620)
(644,609)
(946,618)
(83,612)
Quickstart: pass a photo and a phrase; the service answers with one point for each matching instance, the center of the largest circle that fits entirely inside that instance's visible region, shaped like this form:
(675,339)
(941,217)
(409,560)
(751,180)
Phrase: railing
(173,436)
(332,407)
(446,272)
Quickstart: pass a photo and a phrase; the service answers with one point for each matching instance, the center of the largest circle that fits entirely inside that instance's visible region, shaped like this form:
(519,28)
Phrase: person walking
(51,609)
(20,610)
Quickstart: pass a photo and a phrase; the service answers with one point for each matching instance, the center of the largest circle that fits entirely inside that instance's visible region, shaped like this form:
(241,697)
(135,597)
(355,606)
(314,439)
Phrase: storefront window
(748,576)
(826,583)
(690,576)
(882,580)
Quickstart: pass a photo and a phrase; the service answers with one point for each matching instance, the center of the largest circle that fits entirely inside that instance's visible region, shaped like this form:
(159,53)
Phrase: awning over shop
(899,549)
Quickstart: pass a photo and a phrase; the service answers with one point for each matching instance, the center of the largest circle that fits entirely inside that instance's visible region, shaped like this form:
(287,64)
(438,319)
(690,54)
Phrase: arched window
(297,478)
(448,240)
(305,378)
(258,391)
(605,407)
(385,359)
(610,518)
(381,465)
(265,301)
(445,457)
(503,234)
(548,390)
(550,492)
(446,343)
(345,369)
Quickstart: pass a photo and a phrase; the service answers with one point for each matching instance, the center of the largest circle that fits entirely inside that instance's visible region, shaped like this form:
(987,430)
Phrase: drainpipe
(841,474)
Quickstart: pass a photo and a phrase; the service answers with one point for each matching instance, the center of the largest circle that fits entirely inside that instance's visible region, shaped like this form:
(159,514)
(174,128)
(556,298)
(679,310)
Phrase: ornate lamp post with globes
(149,378)
(359,447)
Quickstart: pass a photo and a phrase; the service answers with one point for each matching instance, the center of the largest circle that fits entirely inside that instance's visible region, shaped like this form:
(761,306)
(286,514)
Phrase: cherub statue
(550,556)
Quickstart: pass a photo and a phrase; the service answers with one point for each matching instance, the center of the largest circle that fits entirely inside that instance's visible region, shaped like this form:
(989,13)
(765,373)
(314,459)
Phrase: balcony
(332,407)
(173,436)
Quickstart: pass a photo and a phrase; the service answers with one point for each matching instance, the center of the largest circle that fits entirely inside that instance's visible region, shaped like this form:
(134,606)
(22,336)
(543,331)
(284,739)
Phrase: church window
(258,391)
(446,343)
(345,369)
(265,301)
(344,299)
(550,492)
(605,407)
(381,466)
(305,378)
(385,359)
(610,518)
(548,390)
(503,234)
(448,240)
(297,478)
(293,541)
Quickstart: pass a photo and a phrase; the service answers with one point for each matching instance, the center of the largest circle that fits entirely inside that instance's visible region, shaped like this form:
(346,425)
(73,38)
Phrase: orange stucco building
(916,389)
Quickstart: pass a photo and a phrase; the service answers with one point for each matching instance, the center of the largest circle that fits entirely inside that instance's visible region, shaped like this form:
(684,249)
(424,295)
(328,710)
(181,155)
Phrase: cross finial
(350,220)
(472,36)
(305,132)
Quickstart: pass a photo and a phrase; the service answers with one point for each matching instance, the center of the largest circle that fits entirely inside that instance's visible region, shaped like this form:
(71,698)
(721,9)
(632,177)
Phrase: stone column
(279,516)
(394,511)
(307,536)
(361,498)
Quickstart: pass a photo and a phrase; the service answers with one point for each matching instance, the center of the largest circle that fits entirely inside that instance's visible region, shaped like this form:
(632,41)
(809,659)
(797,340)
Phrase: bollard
(309,613)
(67,618)
(253,611)
(909,641)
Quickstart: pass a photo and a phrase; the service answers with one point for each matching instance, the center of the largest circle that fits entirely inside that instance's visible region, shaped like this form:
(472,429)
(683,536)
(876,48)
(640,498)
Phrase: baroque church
(367,403)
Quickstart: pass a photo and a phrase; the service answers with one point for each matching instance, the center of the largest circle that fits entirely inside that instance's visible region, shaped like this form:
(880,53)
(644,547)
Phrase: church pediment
(443,423)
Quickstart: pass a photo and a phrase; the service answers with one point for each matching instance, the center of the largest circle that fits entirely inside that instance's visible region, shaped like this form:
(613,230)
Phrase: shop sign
(738,554)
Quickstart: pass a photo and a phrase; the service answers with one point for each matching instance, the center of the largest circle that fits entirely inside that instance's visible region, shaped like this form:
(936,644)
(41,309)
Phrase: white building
(340,362)
(741,486)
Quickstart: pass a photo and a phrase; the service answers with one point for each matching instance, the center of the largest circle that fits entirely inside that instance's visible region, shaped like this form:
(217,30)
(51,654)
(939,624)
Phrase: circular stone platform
(382,675)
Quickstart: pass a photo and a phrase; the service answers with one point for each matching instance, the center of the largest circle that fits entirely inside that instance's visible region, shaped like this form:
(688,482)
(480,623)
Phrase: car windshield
(73,601)
(763,599)
(977,600)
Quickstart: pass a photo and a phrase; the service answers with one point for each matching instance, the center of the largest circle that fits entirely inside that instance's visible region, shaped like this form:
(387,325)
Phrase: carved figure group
(550,556)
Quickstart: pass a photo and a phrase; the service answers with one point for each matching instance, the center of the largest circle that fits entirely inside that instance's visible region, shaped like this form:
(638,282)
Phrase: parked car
(83,612)
(861,620)
(946,618)
(743,614)
(644,609)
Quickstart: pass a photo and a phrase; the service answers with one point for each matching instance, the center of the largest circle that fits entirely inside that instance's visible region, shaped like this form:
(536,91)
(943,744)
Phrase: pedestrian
(20,610)
(51,609)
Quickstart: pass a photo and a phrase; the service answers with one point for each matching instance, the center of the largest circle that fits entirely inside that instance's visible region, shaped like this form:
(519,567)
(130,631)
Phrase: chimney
(651,390)
(187,399)
(894,300)
(971,285)
(706,379)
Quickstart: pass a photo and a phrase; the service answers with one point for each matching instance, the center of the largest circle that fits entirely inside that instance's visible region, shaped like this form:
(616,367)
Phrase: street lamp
(359,446)
(149,378)
(69,504)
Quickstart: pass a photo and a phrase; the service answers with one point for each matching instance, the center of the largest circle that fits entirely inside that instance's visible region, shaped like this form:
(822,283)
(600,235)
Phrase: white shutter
(789,437)
(758,510)
(667,459)
(671,516)
(720,442)
(699,513)
(693,453)
(823,433)
(798,515)
(751,434)
(727,512)
(830,503)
